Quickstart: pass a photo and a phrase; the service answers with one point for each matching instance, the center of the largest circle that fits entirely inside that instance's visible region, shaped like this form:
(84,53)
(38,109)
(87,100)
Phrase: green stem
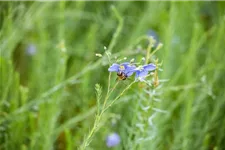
(148,51)
(109,93)
(99,116)
(113,101)
(97,119)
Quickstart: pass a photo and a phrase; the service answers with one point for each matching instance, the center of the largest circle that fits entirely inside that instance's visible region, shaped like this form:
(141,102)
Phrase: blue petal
(129,73)
(140,75)
(130,70)
(114,67)
(137,73)
(125,63)
(143,73)
(124,66)
(149,67)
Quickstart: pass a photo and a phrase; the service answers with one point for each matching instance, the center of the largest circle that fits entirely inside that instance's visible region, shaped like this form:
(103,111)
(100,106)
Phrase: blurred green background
(49,71)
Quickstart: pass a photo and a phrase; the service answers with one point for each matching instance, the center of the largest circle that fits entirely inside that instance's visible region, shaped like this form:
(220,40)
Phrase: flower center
(122,67)
(140,68)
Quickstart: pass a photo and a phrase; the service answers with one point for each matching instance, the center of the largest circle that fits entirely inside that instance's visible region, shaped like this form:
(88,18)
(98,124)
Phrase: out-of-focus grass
(47,98)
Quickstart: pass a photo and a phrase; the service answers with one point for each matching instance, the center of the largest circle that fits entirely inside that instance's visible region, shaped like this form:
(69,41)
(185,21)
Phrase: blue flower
(112,140)
(155,36)
(126,68)
(142,71)
(31,49)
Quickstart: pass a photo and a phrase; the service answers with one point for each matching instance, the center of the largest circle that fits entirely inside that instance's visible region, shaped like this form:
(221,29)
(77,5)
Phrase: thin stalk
(113,101)
(97,119)
(149,48)
(104,108)
(109,92)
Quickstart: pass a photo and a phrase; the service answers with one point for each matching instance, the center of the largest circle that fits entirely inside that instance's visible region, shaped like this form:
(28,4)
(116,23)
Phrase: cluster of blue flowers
(128,69)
